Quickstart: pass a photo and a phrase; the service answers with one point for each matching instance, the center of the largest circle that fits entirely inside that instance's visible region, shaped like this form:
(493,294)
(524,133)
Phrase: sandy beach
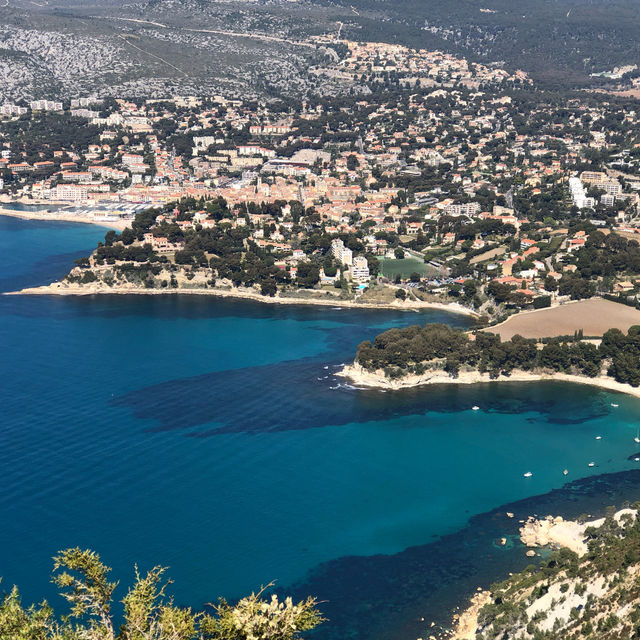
(63,217)
(361,377)
(60,289)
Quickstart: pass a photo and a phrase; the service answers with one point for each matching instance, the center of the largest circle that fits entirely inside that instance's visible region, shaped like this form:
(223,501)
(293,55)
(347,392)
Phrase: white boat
(528,474)
(613,404)
(637,438)
(475,407)
(598,437)
(592,464)
(565,472)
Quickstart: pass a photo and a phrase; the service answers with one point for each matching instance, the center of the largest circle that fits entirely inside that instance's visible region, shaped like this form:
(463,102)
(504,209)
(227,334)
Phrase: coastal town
(444,181)
(463,209)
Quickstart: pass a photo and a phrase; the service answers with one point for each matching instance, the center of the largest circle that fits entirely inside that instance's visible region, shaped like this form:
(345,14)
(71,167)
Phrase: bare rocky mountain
(61,48)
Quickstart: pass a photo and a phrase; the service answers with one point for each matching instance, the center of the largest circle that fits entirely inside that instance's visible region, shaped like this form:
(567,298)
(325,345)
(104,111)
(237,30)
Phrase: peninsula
(175,249)
(438,354)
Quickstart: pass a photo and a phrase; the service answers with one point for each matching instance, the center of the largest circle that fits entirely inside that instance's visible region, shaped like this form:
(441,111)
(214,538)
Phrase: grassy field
(594,317)
(389,268)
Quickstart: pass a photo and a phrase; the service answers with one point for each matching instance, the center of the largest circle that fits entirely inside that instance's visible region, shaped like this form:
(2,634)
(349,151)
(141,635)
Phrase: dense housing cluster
(432,177)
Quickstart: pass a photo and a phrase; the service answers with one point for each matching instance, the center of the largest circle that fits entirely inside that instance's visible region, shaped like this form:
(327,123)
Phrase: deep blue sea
(211,436)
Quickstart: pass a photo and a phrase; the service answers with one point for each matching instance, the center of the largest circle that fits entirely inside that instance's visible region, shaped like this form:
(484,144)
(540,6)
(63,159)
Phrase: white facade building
(12,110)
(578,194)
(70,192)
(360,269)
(45,105)
(341,253)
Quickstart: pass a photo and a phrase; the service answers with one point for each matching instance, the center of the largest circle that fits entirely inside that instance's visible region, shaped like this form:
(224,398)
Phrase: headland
(361,377)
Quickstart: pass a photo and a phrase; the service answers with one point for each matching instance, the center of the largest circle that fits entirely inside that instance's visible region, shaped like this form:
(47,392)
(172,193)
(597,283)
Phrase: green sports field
(390,268)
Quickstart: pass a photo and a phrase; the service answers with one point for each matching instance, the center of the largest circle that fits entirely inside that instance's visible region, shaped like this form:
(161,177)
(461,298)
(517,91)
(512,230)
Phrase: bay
(211,436)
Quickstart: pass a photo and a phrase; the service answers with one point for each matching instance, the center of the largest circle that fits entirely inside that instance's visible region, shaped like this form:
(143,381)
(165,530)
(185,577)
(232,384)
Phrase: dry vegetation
(594,317)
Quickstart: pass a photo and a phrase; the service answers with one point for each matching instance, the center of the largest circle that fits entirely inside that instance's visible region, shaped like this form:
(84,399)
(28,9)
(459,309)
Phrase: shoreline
(549,532)
(558,532)
(57,289)
(62,217)
(376,379)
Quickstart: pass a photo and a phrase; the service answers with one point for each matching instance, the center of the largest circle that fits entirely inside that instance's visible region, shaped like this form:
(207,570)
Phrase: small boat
(565,472)
(598,437)
(475,407)
(614,405)
(592,464)
(528,474)
(636,459)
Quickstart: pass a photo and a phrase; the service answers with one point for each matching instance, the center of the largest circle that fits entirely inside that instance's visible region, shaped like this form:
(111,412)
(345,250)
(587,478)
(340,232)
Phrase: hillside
(588,592)
(557,42)
(249,48)
(156,49)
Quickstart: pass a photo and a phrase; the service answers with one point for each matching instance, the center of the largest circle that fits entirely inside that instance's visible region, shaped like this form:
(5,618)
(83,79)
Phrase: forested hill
(557,42)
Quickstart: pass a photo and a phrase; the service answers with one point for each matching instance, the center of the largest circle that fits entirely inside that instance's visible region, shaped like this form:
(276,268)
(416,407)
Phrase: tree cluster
(149,613)
(416,349)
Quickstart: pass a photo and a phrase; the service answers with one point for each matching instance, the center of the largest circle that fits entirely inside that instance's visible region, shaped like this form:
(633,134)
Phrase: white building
(12,110)
(611,187)
(84,113)
(360,269)
(202,143)
(466,209)
(341,253)
(70,192)
(84,102)
(578,194)
(45,105)
(255,150)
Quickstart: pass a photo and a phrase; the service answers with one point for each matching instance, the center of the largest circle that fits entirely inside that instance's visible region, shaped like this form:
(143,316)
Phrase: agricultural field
(593,316)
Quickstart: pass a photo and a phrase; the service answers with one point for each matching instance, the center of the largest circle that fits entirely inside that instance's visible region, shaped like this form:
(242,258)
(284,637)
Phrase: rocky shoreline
(558,532)
(359,376)
(545,532)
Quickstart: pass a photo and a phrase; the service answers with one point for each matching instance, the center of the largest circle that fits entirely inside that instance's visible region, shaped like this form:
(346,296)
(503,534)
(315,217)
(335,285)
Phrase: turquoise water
(212,436)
